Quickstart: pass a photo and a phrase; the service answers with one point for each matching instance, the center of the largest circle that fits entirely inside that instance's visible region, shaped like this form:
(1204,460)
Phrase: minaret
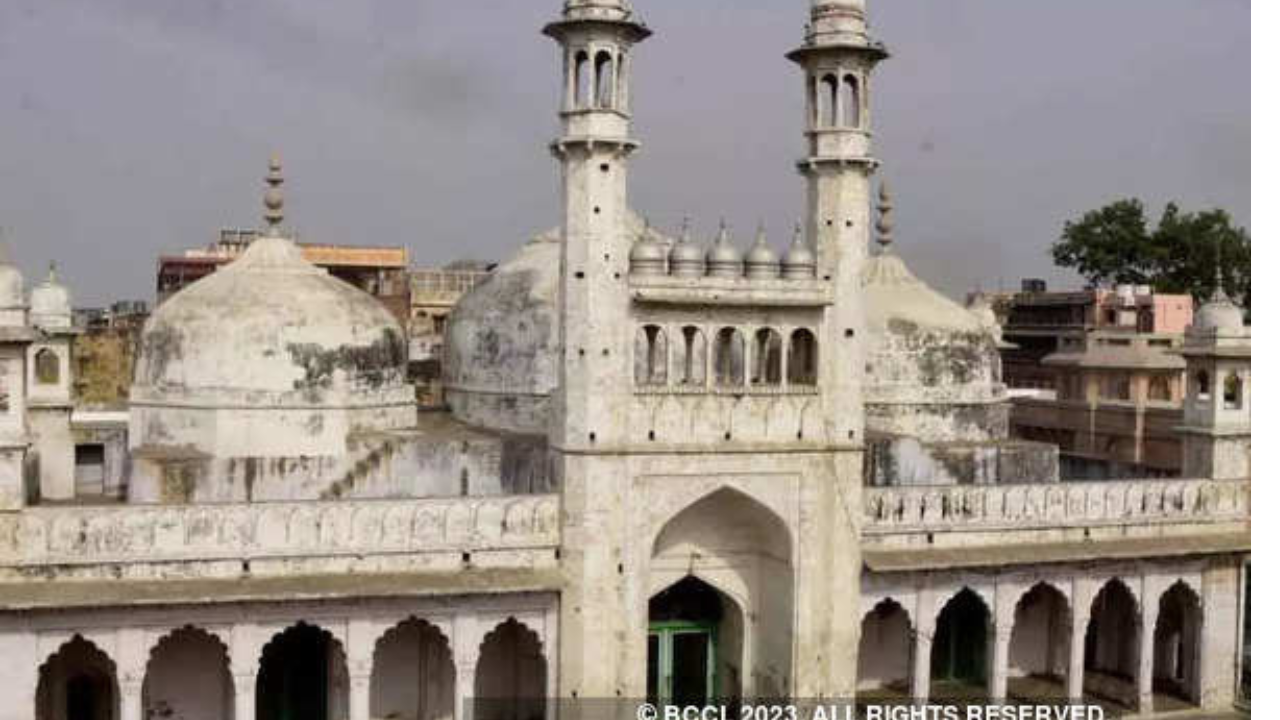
(838,58)
(594,149)
(1216,432)
(589,424)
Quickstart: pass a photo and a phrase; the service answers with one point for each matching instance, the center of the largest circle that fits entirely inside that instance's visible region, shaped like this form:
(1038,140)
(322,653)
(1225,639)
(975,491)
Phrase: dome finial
(884,225)
(1219,291)
(53,272)
(273,199)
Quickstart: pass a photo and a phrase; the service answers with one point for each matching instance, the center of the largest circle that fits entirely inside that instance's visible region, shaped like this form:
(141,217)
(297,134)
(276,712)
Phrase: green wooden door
(682,663)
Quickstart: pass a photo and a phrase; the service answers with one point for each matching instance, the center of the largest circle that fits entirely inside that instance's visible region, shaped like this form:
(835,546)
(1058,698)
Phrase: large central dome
(269,356)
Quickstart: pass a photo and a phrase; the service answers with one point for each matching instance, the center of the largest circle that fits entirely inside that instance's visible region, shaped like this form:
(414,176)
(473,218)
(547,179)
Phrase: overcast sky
(129,128)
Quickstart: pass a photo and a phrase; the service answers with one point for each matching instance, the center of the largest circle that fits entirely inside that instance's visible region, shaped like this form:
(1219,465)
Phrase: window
(766,358)
(802,358)
(830,98)
(581,79)
(48,369)
(1203,388)
(690,361)
(604,80)
(852,103)
(651,356)
(1233,392)
(1119,388)
(729,358)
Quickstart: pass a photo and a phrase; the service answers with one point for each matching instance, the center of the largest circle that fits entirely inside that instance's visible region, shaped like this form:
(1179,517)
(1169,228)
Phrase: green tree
(1182,253)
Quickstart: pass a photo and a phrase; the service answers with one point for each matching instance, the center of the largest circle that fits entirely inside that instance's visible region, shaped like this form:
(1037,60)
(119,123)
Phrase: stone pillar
(1146,656)
(359,698)
(921,652)
(1220,639)
(359,647)
(131,699)
(466,655)
(998,676)
(246,687)
(1076,659)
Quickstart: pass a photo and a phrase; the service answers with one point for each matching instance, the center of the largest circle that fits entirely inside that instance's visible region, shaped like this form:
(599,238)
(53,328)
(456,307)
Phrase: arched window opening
(621,101)
(1040,643)
(604,79)
(1204,389)
(48,369)
(730,358)
(1233,392)
(1119,387)
(766,358)
(815,102)
(651,356)
(690,360)
(581,80)
(852,102)
(831,101)
(802,358)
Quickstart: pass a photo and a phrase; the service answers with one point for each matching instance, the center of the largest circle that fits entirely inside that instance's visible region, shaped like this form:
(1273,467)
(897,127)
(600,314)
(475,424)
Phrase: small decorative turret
(51,302)
(723,259)
(799,263)
(762,261)
(686,256)
(884,224)
(13,296)
(648,255)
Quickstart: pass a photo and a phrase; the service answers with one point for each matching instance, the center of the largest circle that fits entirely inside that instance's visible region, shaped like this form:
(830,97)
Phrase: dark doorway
(683,643)
(295,680)
(959,655)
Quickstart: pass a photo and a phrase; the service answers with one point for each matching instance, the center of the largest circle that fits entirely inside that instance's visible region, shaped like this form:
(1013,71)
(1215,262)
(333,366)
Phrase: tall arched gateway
(720,609)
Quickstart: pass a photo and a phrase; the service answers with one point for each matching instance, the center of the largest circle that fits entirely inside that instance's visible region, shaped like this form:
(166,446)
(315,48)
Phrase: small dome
(799,262)
(686,256)
(51,303)
(723,259)
(762,261)
(648,254)
(1220,316)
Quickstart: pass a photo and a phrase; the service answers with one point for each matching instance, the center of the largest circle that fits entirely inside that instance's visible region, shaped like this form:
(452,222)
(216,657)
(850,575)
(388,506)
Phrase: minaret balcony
(840,143)
(596,122)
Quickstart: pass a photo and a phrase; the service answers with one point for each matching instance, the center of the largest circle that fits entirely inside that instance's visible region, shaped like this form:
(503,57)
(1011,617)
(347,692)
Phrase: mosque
(669,470)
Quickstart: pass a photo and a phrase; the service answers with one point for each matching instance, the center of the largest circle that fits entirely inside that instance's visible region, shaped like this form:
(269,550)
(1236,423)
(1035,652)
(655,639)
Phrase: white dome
(933,367)
(51,303)
(1220,316)
(270,332)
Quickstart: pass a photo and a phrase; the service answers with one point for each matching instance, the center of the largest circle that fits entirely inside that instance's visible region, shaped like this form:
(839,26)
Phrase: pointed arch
(730,358)
(511,674)
(884,648)
(802,358)
(1112,643)
(605,79)
(188,675)
(413,673)
(581,80)
(851,100)
(78,681)
(1233,392)
(1176,644)
(1040,643)
(829,94)
(302,672)
(766,357)
(961,637)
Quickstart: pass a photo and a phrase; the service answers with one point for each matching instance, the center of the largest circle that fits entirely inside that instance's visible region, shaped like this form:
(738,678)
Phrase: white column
(998,677)
(921,652)
(19,666)
(131,699)
(360,647)
(466,654)
(1076,660)
(246,687)
(1146,649)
